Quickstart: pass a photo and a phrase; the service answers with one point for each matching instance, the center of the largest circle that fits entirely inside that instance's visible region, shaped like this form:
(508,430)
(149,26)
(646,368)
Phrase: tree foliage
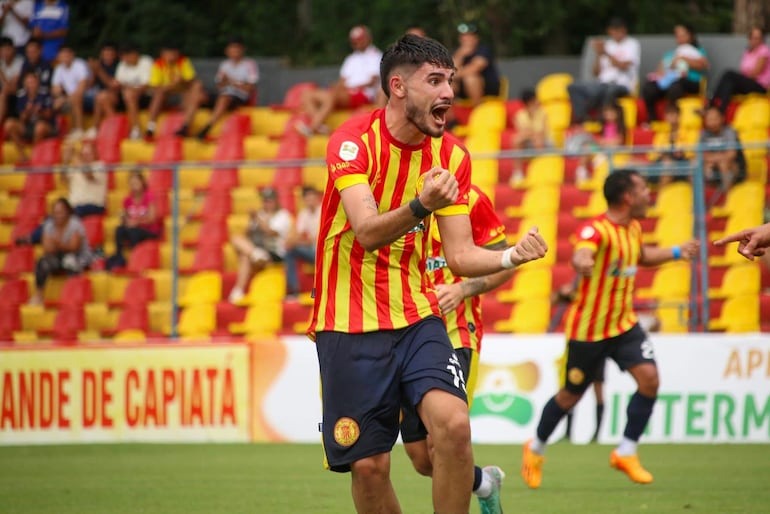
(315,32)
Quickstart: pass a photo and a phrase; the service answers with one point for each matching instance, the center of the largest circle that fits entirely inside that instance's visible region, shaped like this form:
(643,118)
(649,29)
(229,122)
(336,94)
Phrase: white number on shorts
(457,371)
(647,351)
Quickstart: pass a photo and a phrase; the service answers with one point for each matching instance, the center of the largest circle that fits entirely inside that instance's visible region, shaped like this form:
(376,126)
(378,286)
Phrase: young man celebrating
(378,333)
(601,321)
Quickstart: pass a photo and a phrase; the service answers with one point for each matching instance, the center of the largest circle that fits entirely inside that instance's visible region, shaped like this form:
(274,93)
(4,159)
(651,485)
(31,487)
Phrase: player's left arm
(653,255)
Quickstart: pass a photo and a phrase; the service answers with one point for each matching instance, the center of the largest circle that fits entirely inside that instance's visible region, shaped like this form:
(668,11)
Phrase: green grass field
(276,479)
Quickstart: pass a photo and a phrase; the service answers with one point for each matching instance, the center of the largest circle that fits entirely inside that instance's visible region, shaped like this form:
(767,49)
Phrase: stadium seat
(258,148)
(94,226)
(256,176)
(597,204)
(229,149)
(216,206)
(543,170)
(30,208)
(752,113)
(75,290)
(162,282)
(558,115)
(203,287)
(671,280)
(537,200)
(206,258)
(739,314)
(671,229)
(10,322)
(46,153)
(133,317)
(673,315)
(269,285)
(112,131)
(244,200)
(672,198)
(738,221)
(135,291)
(12,181)
(69,320)
(20,259)
(130,336)
(629,106)
(529,316)
(485,169)
(740,279)
(292,99)
(746,196)
(511,108)
(527,283)
(11,231)
(487,117)
(553,87)
(690,112)
(197,321)
(144,256)
(13,293)
(235,126)
(266,121)
(35,318)
(136,151)
(262,319)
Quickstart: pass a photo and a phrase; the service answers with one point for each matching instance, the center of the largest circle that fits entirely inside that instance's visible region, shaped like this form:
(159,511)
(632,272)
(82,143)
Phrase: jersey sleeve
(156,75)
(188,72)
(487,228)
(462,172)
(347,160)
(588,236)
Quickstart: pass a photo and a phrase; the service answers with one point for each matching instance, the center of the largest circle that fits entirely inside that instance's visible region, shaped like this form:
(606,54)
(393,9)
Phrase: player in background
(602,323)
(460,305)
(379,336)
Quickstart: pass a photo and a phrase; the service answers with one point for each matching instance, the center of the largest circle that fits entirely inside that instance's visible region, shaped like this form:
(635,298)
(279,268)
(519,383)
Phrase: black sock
(550,417)
(599,417)
(476,477)
(569,425)
(639,411)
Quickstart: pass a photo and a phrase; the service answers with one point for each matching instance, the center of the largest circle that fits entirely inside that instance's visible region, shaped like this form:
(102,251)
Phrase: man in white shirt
(15,16)
(301,245)
(236,79)
(68,86)
(133,75)
(616,69)
(358,84)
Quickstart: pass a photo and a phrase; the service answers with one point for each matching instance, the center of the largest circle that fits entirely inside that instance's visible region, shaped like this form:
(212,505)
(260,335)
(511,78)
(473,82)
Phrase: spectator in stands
(615,68)
(68,86)
(140,219)
(133,76)
(680,72)
(173,82)
(531,129)
(357,86)
(753,75)
(669,146)
(50,23)
(103,87)
(476,75)
(612,134)
(34,63)
(236,79)
(10,68)
(35,119)
(15,16)
(723,161)
(65,247)
(301,243)
(264,241)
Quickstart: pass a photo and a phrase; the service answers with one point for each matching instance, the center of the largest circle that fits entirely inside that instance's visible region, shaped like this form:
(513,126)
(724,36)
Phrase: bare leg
(420,456)
(76,103)
(131,99)
(156,104)
(371,486)
(193,97)
(324,107)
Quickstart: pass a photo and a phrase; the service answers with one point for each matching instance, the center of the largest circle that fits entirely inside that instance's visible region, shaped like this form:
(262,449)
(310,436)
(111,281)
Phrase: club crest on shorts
(346,432)
(575,376)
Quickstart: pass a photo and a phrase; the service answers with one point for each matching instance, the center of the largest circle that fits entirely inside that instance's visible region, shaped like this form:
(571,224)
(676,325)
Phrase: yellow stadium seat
(485,166)
(185,257)
(266,286)
(673,315)
(237,223)
(487,117)
(161,279)
(670,281)
(543,170)
(754,142)
(528,283)
(741,279)
(316,146)
(738,221)
(262,319)
(690,108)
(197,321)
(8,206)
(10,153)
(202,288)
(671,230)
(558,115)
(194,149)
(553,87)
(597,204)
(259,148)
(256,176)
(231,259)
(601,169)
(315,176)
(160,317)
(36,317)
(99,318)
(129,336)
(136,150)
(743,197)
(194,177)
(266,121)
(756,169)
(189,231)
(337,118)
(541,199)
(529,316)
(673,198)
(739,314)
(245,200)
(628,104)
(752,113)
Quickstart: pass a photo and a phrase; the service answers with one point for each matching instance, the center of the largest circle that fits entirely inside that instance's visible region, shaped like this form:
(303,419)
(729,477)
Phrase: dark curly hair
(413,51)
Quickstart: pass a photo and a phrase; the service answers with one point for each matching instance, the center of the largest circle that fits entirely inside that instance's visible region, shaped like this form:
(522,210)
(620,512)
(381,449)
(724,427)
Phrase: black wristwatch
(418,209)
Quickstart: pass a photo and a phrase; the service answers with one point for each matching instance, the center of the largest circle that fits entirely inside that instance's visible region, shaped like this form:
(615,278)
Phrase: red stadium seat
(10,322)
(144,256)
(75,291)
(20,259)
(139,291)
(38,183)
(207,258)
(46,153)
(30,210)
(237,125)
(167,150)
(213,233)
(14,292)
(229,148)
(21,228)
(216,206)
(134,317)
(94,230)
(112,131)
(562,274)
(506,196)
(292,100)
(764,312)
(170,124)
(511,108)
(70,320)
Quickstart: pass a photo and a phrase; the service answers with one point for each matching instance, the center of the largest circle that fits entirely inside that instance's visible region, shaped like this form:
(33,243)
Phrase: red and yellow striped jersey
(359,291)
(464,324)
(603,305)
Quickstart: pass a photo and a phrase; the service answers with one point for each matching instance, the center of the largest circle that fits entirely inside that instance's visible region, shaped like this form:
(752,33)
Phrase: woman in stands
(65,247)
(680,72)
(140,219)
(753,76)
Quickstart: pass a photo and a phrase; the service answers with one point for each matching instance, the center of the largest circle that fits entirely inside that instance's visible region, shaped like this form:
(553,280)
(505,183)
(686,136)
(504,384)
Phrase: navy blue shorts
(365,379)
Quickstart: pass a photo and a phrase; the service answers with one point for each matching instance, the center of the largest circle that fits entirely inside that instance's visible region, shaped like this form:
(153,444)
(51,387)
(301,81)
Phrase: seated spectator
(140,219)
(357,86)
(133,77)
(65,247)
(103,87)
(35,119)
(10,68)
(68,87)
(753,75)
(264,242)
(615,68)
(531,130)
(669,148)
(612,134)
(34,63)
(15,16)
(50,24)
(173,82)
(679,73)
(723,161)
(236,79)
(476,75)
(301,243)
(86,180)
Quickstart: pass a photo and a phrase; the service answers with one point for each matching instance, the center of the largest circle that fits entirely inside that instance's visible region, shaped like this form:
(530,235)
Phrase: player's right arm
(752,242)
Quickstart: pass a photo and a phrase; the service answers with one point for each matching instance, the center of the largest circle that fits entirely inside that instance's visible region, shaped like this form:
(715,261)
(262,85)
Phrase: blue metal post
(174,248)
(699,220)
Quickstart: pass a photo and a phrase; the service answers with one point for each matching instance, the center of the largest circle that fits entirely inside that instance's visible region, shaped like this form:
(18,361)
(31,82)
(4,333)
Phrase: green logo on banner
(499,389)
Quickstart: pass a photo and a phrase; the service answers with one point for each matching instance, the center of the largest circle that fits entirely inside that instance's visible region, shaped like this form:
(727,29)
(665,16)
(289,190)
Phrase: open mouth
(439,113)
